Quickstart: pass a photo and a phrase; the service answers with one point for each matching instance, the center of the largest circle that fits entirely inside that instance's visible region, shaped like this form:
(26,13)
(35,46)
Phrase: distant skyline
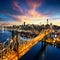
(29,11)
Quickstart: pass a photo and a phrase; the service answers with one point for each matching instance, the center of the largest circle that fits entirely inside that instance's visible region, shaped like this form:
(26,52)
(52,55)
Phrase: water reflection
(42,52)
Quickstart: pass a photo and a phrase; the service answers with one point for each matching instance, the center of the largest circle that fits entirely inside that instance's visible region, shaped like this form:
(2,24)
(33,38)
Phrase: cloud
(34,3)
(30,15)
(16,6)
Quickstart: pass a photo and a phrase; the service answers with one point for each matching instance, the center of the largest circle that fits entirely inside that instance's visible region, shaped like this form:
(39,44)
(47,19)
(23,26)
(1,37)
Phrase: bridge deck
(23,49)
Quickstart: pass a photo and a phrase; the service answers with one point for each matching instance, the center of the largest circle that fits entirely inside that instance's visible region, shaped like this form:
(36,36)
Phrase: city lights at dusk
(29,30)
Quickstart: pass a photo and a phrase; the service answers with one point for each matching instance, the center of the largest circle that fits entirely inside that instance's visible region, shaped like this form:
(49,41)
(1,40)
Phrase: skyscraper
(47,21)
(51,25)
(24,23)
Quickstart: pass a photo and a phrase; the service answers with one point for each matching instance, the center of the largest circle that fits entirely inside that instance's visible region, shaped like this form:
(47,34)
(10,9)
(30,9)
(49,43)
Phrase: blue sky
(29,11)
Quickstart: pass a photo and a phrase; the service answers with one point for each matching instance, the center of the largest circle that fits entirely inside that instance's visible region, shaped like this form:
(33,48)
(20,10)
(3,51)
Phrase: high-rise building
(24,23)
(51,25)
(47,21)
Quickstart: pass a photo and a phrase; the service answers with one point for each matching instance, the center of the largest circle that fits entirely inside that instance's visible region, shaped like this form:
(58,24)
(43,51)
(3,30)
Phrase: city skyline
(29,11)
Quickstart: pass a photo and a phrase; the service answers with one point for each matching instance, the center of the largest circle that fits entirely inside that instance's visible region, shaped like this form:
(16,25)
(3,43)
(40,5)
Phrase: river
(38,52)
(4,35)
(42,52)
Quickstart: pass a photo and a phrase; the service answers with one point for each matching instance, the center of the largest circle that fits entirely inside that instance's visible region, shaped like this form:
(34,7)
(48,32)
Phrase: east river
(38,52)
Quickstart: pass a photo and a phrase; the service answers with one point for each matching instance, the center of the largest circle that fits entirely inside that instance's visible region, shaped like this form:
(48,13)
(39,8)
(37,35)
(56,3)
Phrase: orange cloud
(34,3)
(31,14)
(35,14)
(28,16)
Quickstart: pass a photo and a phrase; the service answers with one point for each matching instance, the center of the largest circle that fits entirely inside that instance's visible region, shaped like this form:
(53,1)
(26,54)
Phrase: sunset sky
(30,11)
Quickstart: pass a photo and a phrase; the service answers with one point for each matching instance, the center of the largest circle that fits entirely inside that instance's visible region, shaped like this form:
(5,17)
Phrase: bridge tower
(17,43)
(1,50)
(13,34)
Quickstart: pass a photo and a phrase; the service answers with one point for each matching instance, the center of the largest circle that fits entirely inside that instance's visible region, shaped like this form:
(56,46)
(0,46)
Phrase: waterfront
(39,51)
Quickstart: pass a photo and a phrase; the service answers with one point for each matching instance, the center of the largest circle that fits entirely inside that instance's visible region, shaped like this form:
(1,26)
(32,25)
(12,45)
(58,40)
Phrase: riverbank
(55,41)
